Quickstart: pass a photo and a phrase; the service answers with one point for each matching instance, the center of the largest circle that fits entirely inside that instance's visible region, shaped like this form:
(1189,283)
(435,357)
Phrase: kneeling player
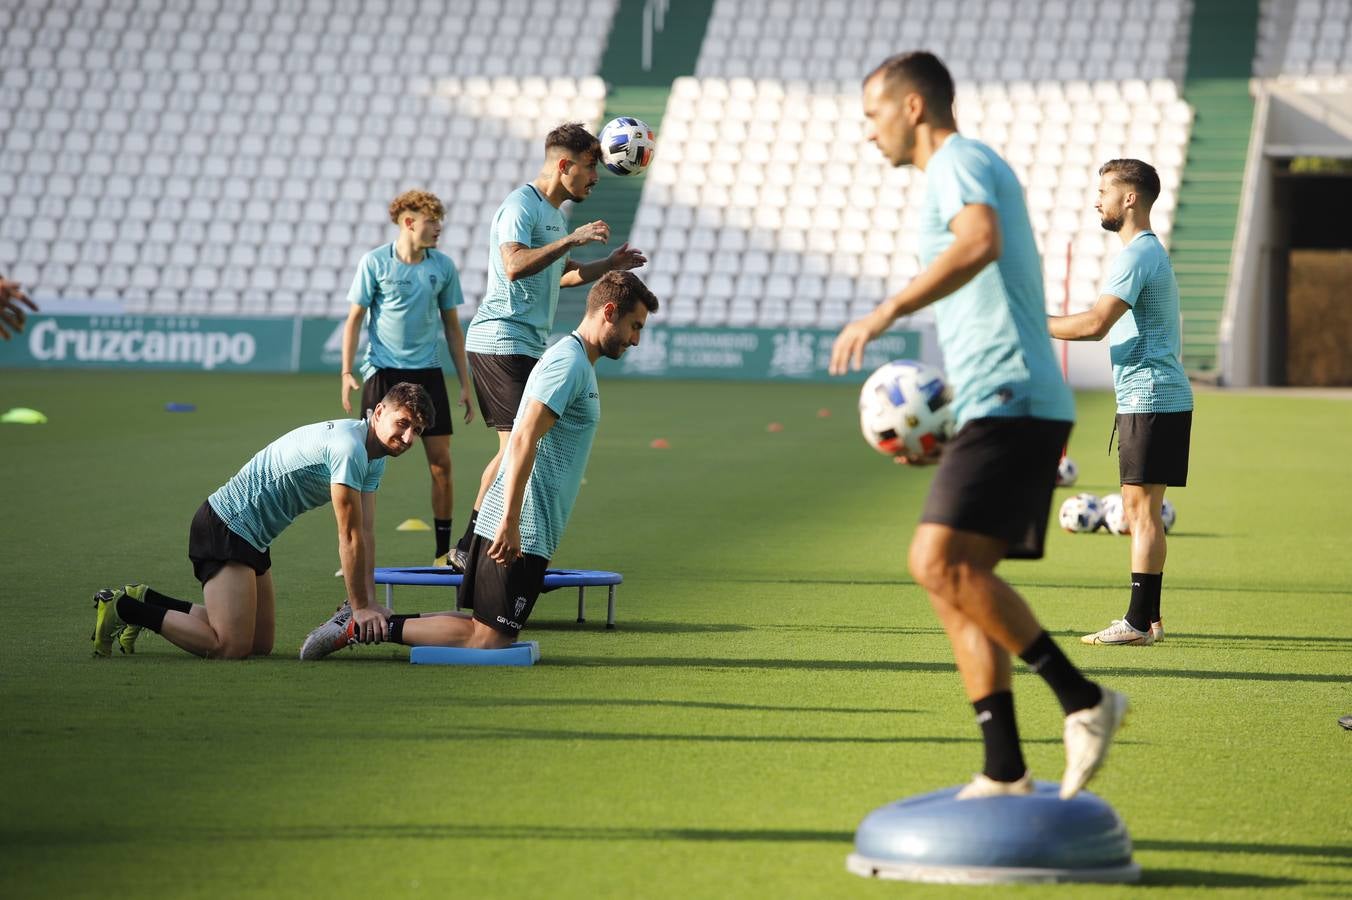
(530,500)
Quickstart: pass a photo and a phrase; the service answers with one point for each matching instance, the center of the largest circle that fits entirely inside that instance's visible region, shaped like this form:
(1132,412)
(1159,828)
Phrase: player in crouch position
(528,504)
(231,533)
(992,492)
(1137,310)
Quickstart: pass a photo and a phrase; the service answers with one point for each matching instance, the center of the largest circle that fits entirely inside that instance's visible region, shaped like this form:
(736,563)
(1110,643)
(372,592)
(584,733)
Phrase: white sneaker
(1120,632)
(981,786)
(1088,734)
(1157,630)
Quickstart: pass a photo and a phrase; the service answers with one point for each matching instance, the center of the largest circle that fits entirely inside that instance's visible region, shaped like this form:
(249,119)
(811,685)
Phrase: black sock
(443,530)
(134,612)
(1000,734)
(1145,599)
(1072,689)
(164,601)
(396,635)
(463,543)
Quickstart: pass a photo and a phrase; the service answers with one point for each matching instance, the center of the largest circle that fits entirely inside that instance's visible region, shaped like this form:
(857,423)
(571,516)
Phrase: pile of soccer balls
(1085,512)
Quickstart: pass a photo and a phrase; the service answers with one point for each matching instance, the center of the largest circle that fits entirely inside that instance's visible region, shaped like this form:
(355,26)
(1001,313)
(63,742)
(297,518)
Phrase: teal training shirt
(293,475)
(564,380)
(406,302)
(1146,343)
(516,317)
(992,330)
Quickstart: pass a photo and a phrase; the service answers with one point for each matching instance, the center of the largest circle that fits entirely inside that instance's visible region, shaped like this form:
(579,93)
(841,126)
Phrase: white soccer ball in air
(906,407)
(627,145)
(1169,515)
(1067,473)
(1081,514)
(1114,514)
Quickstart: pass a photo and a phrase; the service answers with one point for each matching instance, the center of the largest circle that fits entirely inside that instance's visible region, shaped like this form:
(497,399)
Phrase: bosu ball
(992,840)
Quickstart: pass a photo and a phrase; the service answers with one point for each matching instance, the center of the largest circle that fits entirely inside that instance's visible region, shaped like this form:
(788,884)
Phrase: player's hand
(927,459)
(370,624)
(506,546)
(11,315)
(464,401)
(625,257)
(847,353)
(597,232)
(350,384)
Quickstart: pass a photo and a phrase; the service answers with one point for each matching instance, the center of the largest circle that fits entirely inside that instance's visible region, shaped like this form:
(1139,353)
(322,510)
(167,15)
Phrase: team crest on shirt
(433,279)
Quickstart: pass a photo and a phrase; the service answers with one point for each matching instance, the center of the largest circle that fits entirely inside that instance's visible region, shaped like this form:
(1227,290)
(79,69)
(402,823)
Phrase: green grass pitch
(775,674)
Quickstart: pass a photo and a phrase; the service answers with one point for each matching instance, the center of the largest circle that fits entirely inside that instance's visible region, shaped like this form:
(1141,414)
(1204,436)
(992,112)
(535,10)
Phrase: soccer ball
(1115,514)
(906,407)
(627,145)
(1169,515)
(1067,473)
(1081,514)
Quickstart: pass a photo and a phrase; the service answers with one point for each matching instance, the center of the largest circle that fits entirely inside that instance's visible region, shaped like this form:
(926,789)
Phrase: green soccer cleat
(107,623)
(126,638)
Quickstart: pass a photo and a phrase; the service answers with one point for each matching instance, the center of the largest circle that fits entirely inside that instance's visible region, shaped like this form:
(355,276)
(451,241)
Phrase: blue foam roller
(180,407)
(522,653)
(1036,838)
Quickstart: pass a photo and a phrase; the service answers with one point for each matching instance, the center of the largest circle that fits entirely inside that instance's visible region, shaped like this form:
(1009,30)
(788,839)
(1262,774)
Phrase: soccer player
(530,499)
(528,247)
(233,529)
(992,492)
(1137,310)
(11,316)
(411,291)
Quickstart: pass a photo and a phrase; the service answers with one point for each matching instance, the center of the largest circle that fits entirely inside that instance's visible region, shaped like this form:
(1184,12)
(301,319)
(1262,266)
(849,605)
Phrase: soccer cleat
(126,638)
(981,786)
(1157,630)
(333,635)
(107,623)
(454,560)
(1120,632)
(1346,722)
(1088,734)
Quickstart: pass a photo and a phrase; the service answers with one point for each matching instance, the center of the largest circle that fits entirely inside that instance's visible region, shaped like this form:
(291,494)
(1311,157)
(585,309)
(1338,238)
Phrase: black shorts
(434,380)
(499,382)
(996,478)
(502,597)
(1152,448)
(211,544)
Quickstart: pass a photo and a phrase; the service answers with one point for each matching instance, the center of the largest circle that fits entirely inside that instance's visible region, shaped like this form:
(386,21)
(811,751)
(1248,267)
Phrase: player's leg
(1142,505)
(225,630)
(110,626)
(438,450)
(265,615)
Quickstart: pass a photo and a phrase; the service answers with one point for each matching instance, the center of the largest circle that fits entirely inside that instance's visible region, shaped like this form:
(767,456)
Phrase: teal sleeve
(963,179)
(1126,276)
(347,462)
(374,472)
(516,225)
(450,295)
(366,283)
(557,381)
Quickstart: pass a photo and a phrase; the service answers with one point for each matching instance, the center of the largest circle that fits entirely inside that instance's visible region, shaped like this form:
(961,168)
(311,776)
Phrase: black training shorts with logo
(1152,448)
(996,477)
(211,545)
(502,597)
(499,383)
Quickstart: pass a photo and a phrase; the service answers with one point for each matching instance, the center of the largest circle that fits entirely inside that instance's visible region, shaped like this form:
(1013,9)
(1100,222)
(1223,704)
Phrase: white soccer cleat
(335,634)
(1120,632)
(981,786)
(1157,630)
(1089,732)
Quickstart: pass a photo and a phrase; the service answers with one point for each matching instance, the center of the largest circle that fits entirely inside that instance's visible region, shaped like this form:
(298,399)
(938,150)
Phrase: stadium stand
(1305,38)
(764,206)
(203,156)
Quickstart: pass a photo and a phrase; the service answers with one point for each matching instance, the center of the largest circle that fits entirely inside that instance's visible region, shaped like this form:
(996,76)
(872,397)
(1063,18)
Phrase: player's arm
(1092,324)
(976,244)
(356,547)
(520,261)
(532,424)
(622,259)
(351,332)
(11,315)
(455,339)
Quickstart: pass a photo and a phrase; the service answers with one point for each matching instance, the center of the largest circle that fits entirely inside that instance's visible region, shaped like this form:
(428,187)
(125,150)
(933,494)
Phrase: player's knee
(231,649)
(929,567)
(262,648)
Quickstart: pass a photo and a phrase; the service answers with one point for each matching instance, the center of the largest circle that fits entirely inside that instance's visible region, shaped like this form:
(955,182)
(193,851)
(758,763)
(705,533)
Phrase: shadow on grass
(1019,584)
(556,702)
(876,665)
(1210,878)
(1341,853)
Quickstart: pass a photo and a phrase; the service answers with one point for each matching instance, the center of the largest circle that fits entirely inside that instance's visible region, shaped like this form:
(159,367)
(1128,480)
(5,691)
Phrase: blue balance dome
(1035,838)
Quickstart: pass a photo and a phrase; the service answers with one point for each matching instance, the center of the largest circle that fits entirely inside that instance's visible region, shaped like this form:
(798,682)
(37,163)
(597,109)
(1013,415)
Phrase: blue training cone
(991,840)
